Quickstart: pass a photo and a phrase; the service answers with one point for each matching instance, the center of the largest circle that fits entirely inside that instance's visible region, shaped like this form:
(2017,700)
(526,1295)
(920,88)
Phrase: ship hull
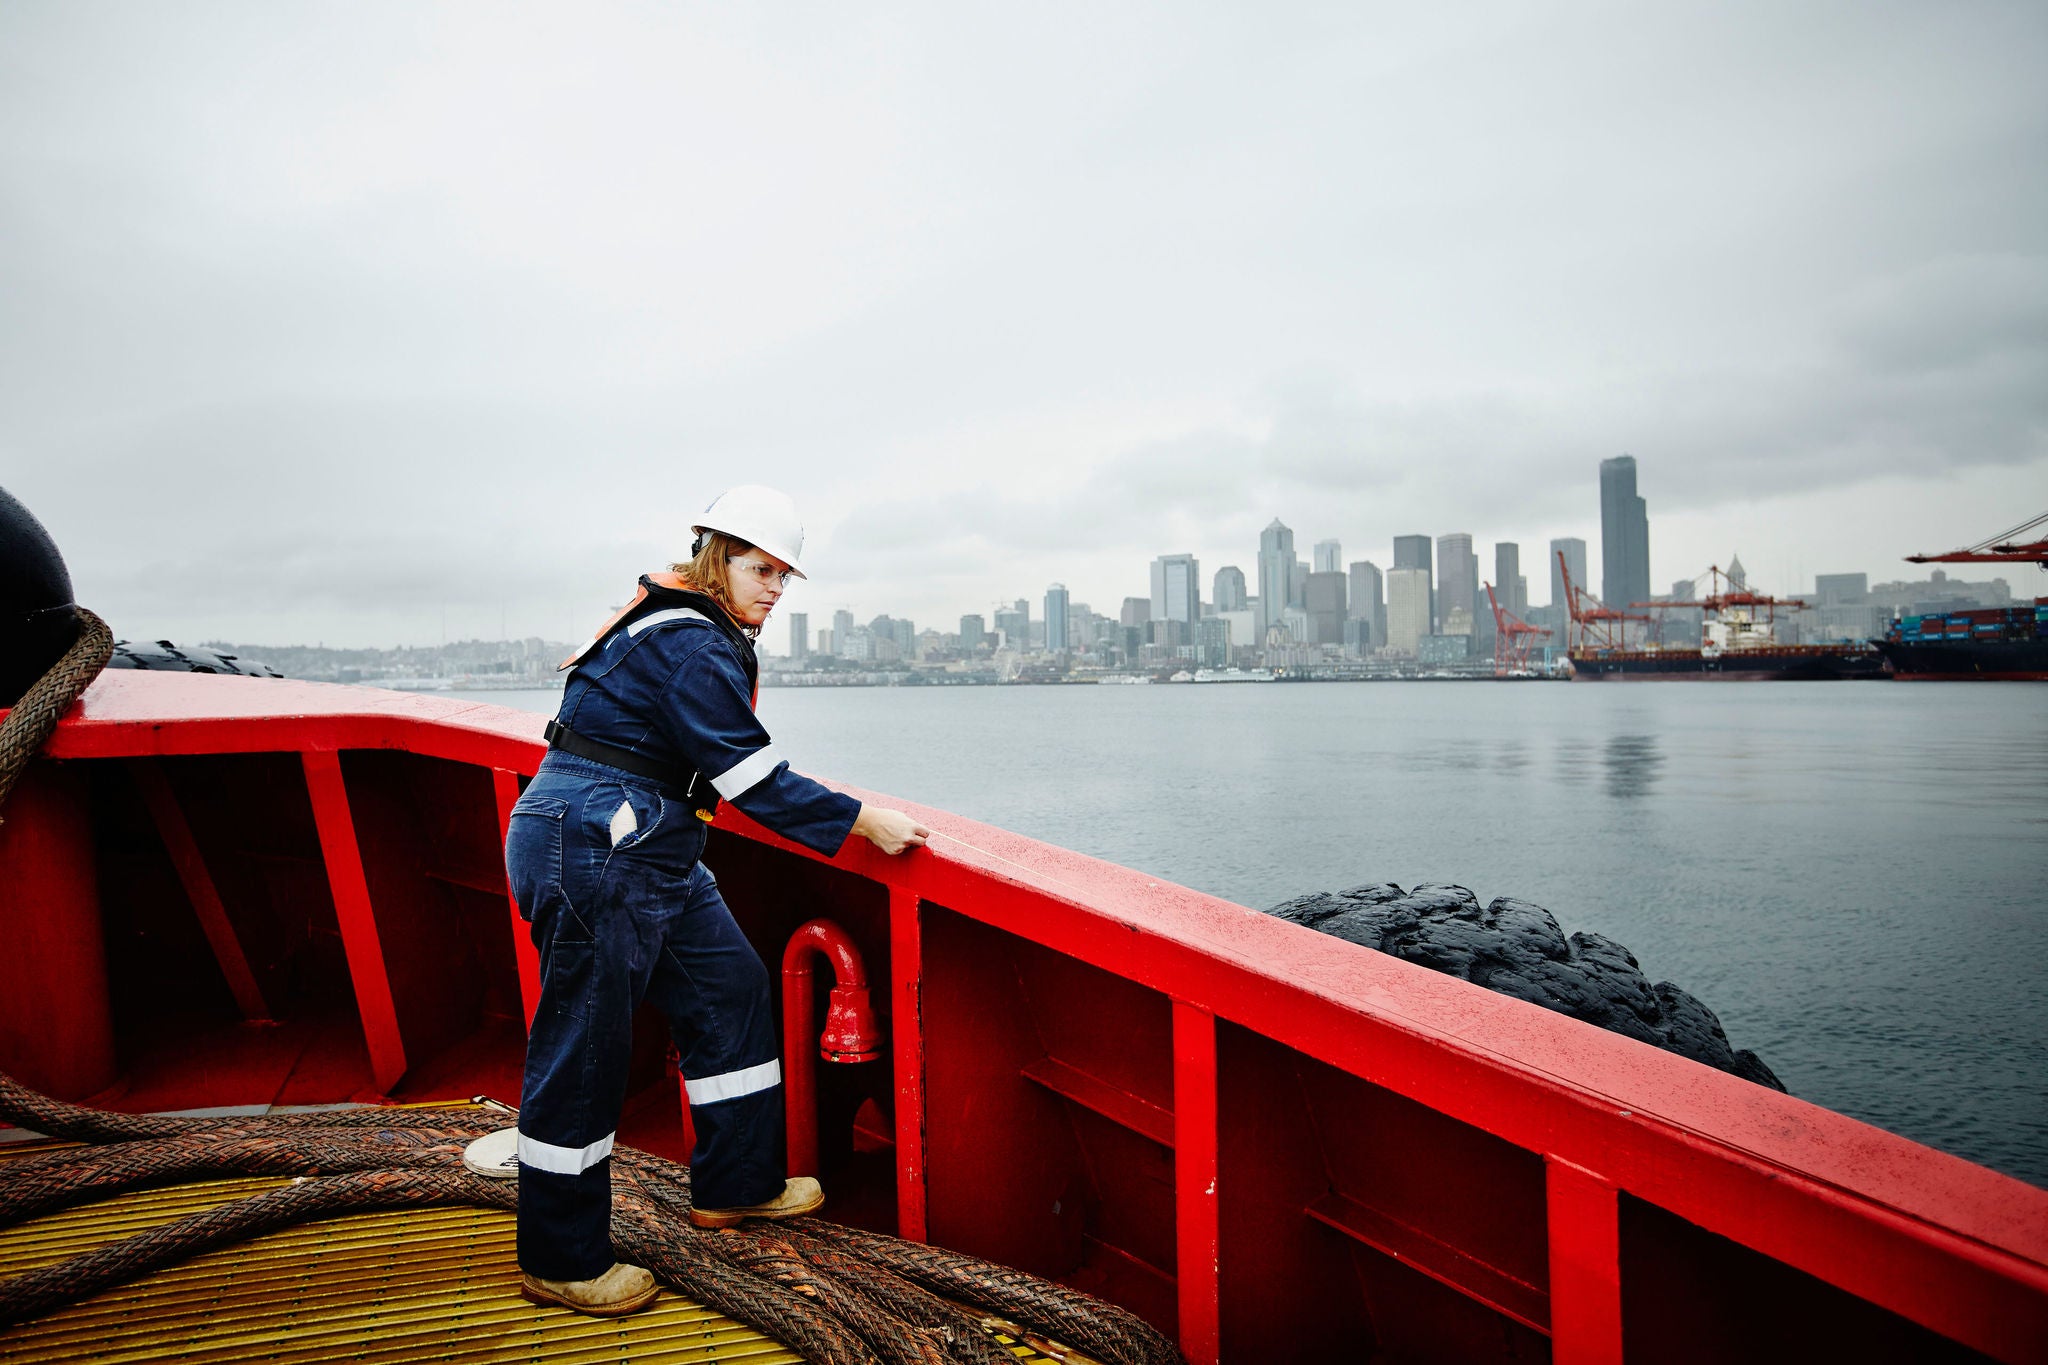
(1967,660)
(1789,663)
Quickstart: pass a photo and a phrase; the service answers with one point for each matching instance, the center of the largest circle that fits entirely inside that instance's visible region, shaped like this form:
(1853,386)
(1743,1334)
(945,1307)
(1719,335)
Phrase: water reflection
(1634,765)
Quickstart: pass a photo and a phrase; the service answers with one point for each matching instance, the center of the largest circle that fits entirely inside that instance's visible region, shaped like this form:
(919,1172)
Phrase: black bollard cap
(38,620)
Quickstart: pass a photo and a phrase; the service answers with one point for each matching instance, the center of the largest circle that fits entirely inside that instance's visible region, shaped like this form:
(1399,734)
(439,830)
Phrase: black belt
(684,780)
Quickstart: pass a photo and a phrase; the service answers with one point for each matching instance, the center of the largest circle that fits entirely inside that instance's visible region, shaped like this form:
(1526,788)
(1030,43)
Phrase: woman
(656,726)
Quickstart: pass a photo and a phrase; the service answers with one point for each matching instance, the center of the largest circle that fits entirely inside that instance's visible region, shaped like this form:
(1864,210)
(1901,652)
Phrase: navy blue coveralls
(605,864)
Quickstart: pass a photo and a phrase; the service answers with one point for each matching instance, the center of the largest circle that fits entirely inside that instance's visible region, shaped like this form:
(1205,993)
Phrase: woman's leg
(711,987)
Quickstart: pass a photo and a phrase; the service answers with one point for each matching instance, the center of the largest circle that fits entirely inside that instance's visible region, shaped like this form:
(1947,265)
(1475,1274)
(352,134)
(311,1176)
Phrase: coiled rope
(35,716)
(836,1295)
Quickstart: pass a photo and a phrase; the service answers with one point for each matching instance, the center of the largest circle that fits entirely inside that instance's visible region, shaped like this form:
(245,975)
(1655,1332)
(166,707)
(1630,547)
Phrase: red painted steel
(199,888)
(357,918)
(1195,1177)
(851,1033)
(1585,1267)
(906,973)
(505,788)
(1958,1249)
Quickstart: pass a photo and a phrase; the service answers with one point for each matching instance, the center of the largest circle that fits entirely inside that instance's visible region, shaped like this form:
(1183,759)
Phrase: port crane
(2004,548)
(1513,638)
(1753,617)
(1595,624)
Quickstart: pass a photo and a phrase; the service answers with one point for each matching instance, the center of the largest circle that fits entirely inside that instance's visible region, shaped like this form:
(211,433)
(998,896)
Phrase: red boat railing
(1278,1145)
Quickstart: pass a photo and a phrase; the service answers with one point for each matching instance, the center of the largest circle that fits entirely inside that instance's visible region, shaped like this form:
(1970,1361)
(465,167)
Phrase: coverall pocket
(533,853)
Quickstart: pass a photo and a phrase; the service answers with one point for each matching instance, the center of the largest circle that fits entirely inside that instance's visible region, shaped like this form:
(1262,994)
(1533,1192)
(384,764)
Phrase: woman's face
(755,580)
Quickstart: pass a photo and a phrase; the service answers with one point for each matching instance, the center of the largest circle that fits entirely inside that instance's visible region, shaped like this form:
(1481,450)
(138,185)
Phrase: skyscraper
(1325,595)
(1457,581)
(1407,609)
(1412,552)
(1276,574)
(972,629)
(1176,588)
(1137,611)
(1056,619)
(1229,592)
(842,632)
(1508,584)
(1329,557)
(799,635)
(1574,551)
(1368,601)
(1624,535)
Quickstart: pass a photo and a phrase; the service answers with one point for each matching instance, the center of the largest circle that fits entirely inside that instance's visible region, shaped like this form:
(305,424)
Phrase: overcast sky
(364,323)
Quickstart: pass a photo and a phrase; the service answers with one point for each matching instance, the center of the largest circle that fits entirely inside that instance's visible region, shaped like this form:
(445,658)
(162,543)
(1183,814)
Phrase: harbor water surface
(1850,874)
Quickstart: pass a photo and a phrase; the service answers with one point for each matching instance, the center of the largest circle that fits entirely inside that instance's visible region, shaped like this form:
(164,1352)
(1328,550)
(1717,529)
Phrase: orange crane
(1597,625)
(1512,638)
(1762,607)
(2003,548)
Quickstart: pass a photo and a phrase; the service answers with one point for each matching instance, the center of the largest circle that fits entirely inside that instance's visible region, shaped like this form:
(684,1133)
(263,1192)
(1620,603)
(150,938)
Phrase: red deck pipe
(852,1034)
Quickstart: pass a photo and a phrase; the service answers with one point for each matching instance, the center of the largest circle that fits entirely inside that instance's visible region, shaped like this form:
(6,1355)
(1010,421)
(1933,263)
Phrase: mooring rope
(836,1295)
(35,716)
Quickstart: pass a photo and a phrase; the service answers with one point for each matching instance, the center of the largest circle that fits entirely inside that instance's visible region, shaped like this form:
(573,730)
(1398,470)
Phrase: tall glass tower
(1624,535)
(1276,575)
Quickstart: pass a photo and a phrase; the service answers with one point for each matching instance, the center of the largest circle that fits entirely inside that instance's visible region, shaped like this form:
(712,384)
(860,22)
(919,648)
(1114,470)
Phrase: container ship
(2004,644)
(254,900)
(1738,639)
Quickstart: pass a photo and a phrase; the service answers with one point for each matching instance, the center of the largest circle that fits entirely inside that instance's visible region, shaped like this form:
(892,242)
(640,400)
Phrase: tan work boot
(800,1195)
(621,1290)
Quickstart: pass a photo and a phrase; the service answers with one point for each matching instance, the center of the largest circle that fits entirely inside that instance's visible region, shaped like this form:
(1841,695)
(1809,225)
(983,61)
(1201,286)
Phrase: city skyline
(330,354)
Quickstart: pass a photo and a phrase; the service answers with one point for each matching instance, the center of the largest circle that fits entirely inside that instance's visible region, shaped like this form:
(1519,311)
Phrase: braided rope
(35,716)
(836,1295)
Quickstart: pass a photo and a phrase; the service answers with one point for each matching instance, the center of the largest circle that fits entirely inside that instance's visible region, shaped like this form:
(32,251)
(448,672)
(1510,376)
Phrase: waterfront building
(799,635)
(1229,591)
(827,646)
(1056,623)
(1457,579)
(1325,607)
(1276,573)
(1176,588)
(1624,535)
(842,631)
(1412,552)
(1368,603)
(1014,628)
(1407,609)
(1243,626)
(972,629)
(1574,551)
(1212,642)
(1329,557)
(1448,648)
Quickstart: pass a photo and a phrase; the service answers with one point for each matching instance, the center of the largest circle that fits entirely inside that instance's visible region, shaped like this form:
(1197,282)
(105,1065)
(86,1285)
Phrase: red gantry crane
(1512,638)
(1755,613)
(1595,625)
(2004,548)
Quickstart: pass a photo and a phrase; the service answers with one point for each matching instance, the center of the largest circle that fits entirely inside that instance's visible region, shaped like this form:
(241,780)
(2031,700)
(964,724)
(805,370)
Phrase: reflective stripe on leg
(730,1085)
(545,1156)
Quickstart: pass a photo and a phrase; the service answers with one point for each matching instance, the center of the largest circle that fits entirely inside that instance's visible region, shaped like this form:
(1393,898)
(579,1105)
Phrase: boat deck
(401,1285)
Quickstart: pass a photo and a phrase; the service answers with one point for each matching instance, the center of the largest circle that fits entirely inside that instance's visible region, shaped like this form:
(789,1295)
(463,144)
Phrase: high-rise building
(842,631)
(1137,611)
(1324,593)
(1508,584)
(972,628)
(1624,535)
(1574,551)
(1407,609)
(1329,557)
(1457,581)
(1841,589)
(1015,628)
(1229,592)
(1412,552)
(799,635)
(1276,574)
(1176,588)
(1056,623)
(1297,585)
(1368,602)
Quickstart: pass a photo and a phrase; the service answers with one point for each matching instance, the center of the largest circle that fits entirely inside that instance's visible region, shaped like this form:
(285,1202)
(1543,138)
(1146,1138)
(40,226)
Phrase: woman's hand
(889,830)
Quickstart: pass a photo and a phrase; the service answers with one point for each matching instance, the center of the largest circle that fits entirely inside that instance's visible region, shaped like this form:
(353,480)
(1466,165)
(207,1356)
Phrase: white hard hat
(762,517)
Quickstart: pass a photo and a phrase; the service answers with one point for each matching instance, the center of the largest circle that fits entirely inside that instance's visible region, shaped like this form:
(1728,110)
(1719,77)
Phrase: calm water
(1849,874)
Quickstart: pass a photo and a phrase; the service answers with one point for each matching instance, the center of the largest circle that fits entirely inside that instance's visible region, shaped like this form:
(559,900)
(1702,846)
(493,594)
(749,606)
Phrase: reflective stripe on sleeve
(747,772)
(656,618)
(733,1084)
(545,1156)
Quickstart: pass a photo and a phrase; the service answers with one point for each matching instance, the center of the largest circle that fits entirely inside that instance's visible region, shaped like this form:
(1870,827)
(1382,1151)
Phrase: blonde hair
(706,572)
